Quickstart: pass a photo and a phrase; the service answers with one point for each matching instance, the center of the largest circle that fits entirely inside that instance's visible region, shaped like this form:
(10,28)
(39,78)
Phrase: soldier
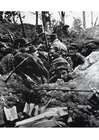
(65,30)
(60,69)
(57,45)
(75,56)
(7,64)
(88,48)
(33,65)
(20,42)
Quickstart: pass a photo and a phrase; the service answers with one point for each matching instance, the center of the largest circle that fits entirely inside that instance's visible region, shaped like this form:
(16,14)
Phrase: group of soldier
(48,58)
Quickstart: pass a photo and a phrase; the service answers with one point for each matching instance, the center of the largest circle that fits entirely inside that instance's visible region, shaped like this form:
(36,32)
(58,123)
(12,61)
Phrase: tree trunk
(84,20)
(24,35)
(95,21)
(91,19)
(63,17)
(36,18)
(44,20)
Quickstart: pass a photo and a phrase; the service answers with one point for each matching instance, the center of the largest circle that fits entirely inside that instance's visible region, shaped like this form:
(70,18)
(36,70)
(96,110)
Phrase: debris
(69,119)
(52,112)
(45,123)
(28,108)
(36,110)
(11,113)
(42,109)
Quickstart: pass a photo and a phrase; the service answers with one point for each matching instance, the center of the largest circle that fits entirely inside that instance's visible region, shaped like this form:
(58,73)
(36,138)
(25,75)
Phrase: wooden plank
(42,109)
(43,123)
(52,112)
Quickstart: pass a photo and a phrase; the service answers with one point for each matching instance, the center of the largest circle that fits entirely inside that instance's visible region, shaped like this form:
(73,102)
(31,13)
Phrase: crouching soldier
(33,66)
(7,64)
(74,56)
(60,69)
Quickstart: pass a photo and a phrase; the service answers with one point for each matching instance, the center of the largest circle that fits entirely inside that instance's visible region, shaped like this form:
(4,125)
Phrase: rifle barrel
(60,89)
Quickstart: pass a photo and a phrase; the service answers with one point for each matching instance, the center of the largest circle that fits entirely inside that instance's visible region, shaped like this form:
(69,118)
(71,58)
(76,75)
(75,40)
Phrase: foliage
(11,16)
(77,23)
(62,16)
(46,19)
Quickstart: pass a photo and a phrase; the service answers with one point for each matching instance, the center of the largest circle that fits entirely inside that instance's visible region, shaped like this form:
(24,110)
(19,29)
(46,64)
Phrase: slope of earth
(16,30)
(88,74)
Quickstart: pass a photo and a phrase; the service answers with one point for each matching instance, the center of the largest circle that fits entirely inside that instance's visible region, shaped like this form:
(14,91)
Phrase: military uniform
(58,46)
(59,69)
(33,64)
(75,57)
(7,64)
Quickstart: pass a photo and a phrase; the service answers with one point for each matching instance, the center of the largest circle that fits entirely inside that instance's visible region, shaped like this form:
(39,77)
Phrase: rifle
(60,89)
(5,80)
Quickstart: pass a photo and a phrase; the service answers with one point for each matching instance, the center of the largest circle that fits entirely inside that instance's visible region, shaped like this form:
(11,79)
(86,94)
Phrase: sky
(30,17)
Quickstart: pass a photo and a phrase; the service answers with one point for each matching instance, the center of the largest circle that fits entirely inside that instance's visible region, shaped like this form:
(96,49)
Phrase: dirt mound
(16,30)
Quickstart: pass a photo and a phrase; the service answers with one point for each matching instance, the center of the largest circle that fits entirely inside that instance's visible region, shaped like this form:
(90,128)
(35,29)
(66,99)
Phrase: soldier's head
(33,50)
(73,48)
(60,66)
(20,42)
(53,37)
(65,29)
(39,29)
(62,73)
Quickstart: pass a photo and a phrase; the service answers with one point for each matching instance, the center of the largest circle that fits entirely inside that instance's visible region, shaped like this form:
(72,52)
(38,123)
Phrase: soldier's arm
(81,58)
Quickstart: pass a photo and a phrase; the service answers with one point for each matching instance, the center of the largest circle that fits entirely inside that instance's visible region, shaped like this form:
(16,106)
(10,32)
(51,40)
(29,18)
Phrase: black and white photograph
(49,69)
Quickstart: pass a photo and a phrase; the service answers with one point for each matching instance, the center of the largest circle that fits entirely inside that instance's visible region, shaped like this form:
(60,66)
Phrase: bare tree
(84,19)
(36,18)
(91,19)
(24,35)
(95,22)
(62,16)
(77,23)
(46,19)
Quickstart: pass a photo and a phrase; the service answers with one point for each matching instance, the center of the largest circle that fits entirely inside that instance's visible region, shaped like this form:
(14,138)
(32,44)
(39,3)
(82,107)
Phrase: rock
(87,74)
